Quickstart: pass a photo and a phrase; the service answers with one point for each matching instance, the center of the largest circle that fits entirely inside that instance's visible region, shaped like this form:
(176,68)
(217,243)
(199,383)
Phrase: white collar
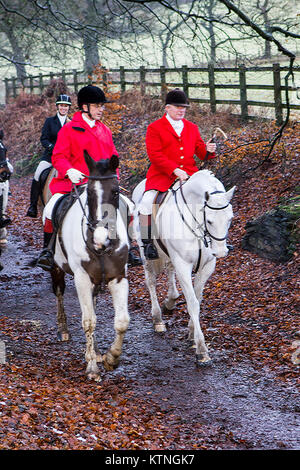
(87,120)
(177,125)
(61,118)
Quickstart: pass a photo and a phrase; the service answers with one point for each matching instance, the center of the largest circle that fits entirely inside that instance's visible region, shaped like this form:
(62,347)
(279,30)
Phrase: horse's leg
(119,293)
(97,350)
(150,278)
(184,276)
(84,288)
(201,278)
(58,285)
(173,293)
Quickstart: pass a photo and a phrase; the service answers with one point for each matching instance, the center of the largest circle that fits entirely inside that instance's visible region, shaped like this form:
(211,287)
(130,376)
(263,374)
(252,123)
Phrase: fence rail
(157,81)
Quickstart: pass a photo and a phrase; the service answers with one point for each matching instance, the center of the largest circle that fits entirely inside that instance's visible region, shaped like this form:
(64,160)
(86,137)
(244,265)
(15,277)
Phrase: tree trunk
(91,52)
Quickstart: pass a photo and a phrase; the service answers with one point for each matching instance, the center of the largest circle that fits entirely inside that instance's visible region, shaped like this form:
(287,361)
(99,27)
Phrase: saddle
(62,206)
(159,200)
(43,177)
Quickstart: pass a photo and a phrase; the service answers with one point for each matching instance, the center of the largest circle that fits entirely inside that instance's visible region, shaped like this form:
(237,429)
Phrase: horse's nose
(220,252)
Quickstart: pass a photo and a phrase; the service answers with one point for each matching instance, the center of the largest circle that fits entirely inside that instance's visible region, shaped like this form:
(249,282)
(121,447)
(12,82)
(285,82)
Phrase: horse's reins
(93,225)
(198,226)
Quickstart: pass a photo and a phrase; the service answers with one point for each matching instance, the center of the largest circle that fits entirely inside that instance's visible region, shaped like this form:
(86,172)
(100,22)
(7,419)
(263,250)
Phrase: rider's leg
(46,257)
(126,209)
(35,189)
(145,219)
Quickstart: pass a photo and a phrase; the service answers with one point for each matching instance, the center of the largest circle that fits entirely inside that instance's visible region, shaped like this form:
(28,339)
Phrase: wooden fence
(193,80)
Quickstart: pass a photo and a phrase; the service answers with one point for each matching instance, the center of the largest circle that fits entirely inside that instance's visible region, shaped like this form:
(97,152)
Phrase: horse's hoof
(110,362)
(94,376)
(160,327)
(166,310)
(63,336)
(203,361)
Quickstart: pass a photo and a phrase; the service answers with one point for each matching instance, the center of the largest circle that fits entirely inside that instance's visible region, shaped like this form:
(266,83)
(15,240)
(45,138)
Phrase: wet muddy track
(237,405)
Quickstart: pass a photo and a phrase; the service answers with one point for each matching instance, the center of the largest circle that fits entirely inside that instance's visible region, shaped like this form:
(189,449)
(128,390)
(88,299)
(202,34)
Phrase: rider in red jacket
(84,132)
(171,143)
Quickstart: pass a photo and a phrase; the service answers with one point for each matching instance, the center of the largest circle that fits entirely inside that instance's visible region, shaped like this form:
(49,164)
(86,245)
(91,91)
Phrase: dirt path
(229,405)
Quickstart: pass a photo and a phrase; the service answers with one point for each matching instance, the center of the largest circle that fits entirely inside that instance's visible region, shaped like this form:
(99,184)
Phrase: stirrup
(133,259)
(32,212)
(150,250)
(46,260)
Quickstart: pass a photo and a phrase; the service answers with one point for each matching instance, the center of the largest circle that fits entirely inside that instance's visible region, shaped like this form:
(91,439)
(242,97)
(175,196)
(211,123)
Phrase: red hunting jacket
(167,151)
(72,140)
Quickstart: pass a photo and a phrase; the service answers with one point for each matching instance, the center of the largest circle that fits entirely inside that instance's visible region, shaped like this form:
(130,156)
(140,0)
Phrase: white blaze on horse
(191,229)
(92,245)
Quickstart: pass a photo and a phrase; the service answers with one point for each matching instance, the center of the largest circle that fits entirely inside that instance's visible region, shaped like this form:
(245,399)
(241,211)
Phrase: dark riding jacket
(50,130)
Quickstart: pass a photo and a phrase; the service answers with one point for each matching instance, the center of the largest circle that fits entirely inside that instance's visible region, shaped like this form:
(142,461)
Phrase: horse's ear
(229,193)
(114,163)
(89,160)
(206,196)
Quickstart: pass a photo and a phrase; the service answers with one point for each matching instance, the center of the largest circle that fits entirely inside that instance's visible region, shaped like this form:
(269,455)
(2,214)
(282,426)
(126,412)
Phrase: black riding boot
(34,197)
(133,259)
(46,258)
(150,250)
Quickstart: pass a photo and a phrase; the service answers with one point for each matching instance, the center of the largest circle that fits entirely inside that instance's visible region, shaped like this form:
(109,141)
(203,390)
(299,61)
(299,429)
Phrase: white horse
(191,231)
(92,245)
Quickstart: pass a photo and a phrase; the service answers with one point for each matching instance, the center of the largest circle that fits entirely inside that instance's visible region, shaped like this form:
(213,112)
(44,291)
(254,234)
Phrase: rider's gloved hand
(75,175)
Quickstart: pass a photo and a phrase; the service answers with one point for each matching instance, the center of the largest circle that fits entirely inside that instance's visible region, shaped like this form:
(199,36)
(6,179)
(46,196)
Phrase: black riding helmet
(177,97)
(90,94)
(63,99)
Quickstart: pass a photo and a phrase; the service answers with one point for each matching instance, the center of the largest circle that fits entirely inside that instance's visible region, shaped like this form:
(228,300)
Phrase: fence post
(142,80)
(212,90)
(75,81)
(122,79)
(163,86)
(6,90)
(185,81)
(104,79)
(41,85)
(14,87)
(31,84)
(277,94)
(243,92)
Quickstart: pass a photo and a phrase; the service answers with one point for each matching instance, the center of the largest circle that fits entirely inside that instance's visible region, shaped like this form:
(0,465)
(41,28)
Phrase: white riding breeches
(145,206)
(47,212)
(40,168)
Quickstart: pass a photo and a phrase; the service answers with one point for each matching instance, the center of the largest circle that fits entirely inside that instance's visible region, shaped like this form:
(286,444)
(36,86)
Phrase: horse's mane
(208,177)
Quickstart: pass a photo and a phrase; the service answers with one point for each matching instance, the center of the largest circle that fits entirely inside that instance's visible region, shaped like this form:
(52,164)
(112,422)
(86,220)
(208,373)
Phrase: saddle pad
(62,206)
(158,201)
(43,177)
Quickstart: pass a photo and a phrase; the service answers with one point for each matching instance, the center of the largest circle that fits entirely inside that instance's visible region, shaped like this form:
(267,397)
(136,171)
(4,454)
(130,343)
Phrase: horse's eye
(209,222)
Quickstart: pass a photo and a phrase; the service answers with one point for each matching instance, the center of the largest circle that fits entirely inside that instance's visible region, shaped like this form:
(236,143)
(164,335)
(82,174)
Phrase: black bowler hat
(177,98)
(91,94)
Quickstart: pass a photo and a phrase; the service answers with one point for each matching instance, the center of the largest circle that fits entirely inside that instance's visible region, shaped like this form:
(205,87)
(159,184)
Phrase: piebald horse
(92,245)
(191,229)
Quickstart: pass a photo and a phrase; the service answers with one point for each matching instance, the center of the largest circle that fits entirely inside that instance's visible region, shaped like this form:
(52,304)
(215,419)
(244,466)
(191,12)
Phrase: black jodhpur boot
(150,250)
(46,257)
(34,197)
(133,259)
